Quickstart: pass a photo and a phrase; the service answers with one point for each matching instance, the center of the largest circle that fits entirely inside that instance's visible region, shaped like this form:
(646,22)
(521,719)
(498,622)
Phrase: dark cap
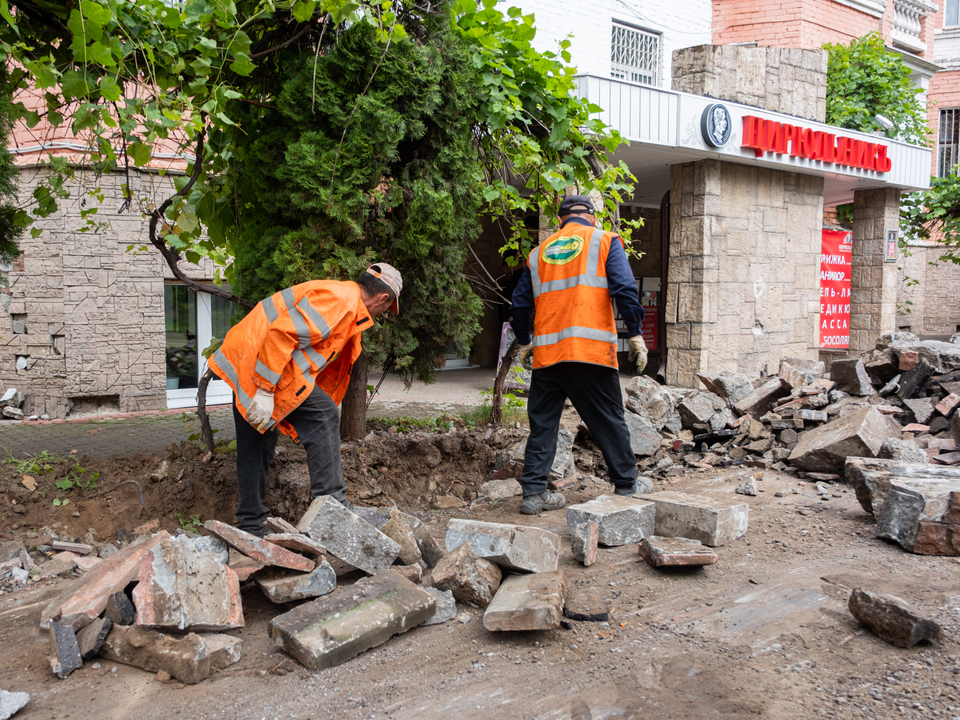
(575,203)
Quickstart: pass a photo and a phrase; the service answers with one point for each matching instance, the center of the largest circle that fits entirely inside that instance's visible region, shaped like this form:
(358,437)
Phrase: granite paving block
(891,619)
(190,659)
(446,606)
(64,650)
(669,552)
(91,637)
(471,579)
(620,520)
(584,538)
(183,589)
(711,520)
(515,547)
(860,434)
(348,536)
(527,602)
(336,627)
(923,515)
(282,586)
(257,548)
(397,529)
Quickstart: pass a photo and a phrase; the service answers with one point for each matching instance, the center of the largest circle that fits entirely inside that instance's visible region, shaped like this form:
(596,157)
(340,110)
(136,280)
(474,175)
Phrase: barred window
(948,147)
(635,55)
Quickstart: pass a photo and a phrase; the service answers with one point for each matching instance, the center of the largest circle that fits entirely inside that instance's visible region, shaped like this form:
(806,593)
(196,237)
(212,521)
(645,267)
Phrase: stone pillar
(873,286)
(742,289)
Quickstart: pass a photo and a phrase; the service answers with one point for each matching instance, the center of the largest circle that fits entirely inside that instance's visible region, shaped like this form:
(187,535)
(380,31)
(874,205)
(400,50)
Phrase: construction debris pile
(357,576)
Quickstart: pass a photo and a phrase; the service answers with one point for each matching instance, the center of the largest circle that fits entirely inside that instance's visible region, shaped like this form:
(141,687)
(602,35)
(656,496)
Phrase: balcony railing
(908,18)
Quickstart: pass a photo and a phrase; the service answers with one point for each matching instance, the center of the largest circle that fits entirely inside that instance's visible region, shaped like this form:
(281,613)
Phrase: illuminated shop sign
(769,136)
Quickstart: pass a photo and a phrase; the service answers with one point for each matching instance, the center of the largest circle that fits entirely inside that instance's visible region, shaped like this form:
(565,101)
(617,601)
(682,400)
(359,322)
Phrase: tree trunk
(496,410)
(353,415)
(206,431)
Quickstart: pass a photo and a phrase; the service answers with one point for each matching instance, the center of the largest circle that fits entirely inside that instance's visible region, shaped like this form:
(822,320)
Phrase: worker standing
(288,362)
(569,282)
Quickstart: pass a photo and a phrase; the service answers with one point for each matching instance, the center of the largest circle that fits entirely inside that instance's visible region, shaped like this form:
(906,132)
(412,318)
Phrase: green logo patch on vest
(563,250)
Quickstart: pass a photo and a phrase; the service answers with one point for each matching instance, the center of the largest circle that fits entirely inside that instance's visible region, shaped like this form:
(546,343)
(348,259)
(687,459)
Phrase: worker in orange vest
(569,282)
(288,362)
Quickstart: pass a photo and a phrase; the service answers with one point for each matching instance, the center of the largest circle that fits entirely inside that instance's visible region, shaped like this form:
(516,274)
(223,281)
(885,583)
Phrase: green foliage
(328,134)
(934,215)
(865,79)
(191,525)
(10,229)
(75,478)
(38,464)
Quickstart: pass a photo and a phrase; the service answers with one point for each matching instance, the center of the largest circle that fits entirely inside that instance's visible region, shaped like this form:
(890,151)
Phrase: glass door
(192,320)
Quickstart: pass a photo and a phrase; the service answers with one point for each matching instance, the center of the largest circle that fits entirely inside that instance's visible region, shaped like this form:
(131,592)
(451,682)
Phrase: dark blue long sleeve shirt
(620,282)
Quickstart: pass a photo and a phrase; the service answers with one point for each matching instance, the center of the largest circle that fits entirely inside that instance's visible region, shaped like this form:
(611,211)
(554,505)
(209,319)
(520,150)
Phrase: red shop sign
(837,249)
(763,136)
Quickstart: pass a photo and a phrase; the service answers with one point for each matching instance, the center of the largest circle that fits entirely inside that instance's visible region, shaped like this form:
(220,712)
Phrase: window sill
(875,8)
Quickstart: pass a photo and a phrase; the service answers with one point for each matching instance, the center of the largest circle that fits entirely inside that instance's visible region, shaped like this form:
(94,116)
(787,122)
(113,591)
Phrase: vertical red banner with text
(836,253)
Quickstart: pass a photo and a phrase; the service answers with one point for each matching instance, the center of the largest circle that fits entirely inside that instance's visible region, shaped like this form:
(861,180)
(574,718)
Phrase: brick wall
(743,288)
(86,316)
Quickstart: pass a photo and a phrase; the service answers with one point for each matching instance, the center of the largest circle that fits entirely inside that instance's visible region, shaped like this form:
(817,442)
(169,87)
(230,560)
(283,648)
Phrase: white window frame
(955,6)
(631,73)
(955,140)
(218,392)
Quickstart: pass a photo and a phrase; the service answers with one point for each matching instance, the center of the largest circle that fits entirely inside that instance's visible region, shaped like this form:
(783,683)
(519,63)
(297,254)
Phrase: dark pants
(595,392)
(318,426)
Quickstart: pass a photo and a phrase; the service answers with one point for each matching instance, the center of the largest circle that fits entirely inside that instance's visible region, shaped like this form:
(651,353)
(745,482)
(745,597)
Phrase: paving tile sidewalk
(152,433)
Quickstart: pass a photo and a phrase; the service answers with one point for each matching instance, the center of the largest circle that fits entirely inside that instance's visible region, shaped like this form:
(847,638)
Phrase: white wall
(682,23)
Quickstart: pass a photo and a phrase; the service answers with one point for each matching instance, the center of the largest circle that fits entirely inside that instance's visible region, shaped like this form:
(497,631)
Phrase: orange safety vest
(573,320)
(303,336)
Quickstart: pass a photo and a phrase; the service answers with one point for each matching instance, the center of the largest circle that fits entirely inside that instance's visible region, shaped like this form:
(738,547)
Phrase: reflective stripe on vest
(590,276)
(231,372)
(270,308)
(585,333)
(266,373)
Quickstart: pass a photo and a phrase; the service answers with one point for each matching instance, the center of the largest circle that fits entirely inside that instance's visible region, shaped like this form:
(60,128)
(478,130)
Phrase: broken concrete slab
(12,702)
(91,637)
(621,520)
(280,526)
(500,489)
(860,434)
(923,515)
(922,408)
(257,548)
(584,538)
(711,520)
(516,547)
(85,599)
(851,377)
(699,407)
(347,536)
(871,478)
(120,609)
(762,399)
(298,543)
(891,619)
(675,552)
(470,578)
(182,589)
(527,602)
(446,606)
(650,400)
(430,550)
(586,605)
(336,627)
(914,381)
(903,450)
(283,586)
(397,529)
(64,650)
(644,438)
(189,659)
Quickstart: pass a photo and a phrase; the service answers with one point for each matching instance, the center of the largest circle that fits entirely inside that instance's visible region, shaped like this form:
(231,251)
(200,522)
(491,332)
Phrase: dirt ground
(764,633)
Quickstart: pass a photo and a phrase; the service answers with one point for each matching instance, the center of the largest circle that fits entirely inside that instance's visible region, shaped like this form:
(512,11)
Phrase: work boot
(534,504)
(642,486)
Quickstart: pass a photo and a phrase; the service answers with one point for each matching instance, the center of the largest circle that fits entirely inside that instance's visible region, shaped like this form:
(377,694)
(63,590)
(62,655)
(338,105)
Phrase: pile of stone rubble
(10,403)
(357,577)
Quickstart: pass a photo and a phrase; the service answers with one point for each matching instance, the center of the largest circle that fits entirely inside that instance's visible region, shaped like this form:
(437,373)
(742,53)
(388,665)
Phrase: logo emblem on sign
(716,125)
(563,250)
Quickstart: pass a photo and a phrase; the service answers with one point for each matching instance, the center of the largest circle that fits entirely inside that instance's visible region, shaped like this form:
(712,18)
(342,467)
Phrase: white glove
(638,352)
(525,353)
(260,412)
